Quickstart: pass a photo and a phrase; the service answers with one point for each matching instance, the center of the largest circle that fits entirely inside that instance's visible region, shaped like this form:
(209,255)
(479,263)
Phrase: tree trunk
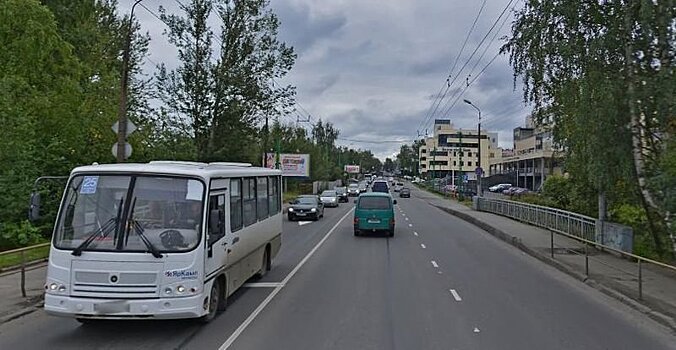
(655,219)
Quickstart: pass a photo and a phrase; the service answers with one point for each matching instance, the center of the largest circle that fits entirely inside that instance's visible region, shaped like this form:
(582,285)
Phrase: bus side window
(216,218)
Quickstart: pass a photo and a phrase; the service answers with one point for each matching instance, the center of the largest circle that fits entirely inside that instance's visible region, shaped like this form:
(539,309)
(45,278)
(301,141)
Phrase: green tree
(600,75)
(224,96)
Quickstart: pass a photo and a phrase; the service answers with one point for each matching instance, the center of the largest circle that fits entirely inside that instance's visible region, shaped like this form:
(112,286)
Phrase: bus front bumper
(167,308)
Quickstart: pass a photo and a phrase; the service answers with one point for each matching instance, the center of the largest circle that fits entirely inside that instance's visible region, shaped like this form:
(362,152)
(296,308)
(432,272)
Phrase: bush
(14,235)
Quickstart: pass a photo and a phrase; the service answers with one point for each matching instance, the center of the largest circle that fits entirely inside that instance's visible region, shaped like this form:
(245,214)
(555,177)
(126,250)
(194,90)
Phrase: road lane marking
(263,285)
(406,218)
(410,225)
(301,223)
(415,233)
(422,246)
(434,263)
(456,296)
(233,337)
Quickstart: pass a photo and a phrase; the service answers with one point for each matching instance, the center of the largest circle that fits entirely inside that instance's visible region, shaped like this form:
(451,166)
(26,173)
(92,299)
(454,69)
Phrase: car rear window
(374,203)
(379,186)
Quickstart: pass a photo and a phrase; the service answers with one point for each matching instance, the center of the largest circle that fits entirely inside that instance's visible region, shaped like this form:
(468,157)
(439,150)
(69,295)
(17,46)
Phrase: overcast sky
(373,68)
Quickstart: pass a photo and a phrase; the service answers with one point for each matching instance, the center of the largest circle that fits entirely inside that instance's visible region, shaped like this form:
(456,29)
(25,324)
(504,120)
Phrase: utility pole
(278,146)
(122,108)
(461,184)
(479,170)
(265,143)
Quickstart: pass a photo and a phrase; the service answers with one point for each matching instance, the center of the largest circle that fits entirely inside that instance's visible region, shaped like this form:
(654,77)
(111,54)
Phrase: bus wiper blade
(104,231)
(140,232)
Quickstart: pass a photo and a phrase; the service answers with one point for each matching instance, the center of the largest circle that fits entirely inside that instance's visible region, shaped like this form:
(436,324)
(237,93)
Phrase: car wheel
(290,218)
(356,233)
(88,321)
(391,233)
(213,303)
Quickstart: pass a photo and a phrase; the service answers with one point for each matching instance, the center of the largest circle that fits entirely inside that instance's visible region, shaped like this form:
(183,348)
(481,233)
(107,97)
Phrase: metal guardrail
(22,257)
(575,226)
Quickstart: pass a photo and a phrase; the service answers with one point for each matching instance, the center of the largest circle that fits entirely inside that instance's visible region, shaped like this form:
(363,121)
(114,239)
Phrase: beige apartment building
(451,151)
(531,161)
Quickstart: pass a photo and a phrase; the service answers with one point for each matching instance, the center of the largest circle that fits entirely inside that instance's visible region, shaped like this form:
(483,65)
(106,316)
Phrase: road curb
(665,320)
(33,306)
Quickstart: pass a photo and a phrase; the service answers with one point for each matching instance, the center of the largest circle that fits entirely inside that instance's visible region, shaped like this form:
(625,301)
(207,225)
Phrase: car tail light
(356,221)
(391,221)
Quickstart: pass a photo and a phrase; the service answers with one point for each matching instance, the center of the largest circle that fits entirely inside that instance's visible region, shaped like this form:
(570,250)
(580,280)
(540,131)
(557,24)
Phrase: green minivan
(374,211)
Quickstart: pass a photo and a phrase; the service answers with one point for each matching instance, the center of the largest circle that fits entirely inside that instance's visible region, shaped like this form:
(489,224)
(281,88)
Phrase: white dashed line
(410,225)
(422,246)
(406,218)
(415,233)
(263,285)
(434,263)
(456,296)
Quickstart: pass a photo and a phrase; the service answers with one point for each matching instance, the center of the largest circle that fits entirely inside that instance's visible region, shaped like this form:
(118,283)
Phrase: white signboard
(352,169)
(291,164)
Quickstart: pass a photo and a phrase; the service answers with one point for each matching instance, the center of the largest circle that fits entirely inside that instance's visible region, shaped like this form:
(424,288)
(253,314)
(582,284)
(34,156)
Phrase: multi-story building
(451,151)
(532,159)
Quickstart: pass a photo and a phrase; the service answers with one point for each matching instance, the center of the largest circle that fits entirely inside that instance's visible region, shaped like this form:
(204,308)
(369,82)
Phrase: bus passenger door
(217,247)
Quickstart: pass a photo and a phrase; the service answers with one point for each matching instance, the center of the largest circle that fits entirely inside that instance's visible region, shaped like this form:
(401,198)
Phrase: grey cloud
(301,29)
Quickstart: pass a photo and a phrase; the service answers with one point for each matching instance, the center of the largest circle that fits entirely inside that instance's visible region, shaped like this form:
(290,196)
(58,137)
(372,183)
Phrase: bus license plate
(373,221)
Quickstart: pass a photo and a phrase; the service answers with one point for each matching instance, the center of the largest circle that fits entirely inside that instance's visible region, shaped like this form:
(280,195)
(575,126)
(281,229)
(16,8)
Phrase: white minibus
(161,240)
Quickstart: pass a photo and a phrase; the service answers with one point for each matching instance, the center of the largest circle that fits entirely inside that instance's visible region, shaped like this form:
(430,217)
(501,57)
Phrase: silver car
(329,198)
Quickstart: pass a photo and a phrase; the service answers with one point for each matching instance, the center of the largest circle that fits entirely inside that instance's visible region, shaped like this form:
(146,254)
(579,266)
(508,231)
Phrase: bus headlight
(55,288)
(168,291)
(180,289)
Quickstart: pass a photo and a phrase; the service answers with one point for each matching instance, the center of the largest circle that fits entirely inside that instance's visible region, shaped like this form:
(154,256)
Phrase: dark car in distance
(405,193)
(380,186)
(342,194)
(309,207)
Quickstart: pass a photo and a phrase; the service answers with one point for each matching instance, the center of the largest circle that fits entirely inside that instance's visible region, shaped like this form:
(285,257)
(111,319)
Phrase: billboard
(291,164)
(352,169)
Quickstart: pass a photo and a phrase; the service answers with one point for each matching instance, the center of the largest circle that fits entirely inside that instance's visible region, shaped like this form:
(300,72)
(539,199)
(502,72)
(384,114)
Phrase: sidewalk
(12,304)
(613,275)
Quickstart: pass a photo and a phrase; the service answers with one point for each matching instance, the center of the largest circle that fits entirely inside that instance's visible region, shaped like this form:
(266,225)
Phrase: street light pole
(480,170)
(122,108)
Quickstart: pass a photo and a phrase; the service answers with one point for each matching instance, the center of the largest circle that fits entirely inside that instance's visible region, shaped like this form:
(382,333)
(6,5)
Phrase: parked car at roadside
(499,187)
(306,206)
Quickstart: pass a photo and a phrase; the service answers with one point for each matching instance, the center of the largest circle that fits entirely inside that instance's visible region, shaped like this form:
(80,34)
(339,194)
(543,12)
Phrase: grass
(287,196)
(14,259)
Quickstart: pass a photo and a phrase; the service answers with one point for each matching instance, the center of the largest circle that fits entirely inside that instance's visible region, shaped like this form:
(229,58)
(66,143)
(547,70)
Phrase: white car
(499,187)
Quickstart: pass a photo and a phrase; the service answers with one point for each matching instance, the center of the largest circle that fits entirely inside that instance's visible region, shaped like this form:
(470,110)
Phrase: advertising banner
(291,164)
(352,169)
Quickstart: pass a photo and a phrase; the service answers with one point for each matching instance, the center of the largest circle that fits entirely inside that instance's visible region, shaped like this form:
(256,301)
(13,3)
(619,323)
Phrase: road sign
(127,150)
(130,127)
(479,171)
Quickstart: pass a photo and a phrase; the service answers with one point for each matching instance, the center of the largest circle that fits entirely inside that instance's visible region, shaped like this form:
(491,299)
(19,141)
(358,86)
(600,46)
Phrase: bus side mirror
(34,209)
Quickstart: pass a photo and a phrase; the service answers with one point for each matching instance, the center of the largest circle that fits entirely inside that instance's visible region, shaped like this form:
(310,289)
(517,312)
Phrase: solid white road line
(434,263)
(456,296)
(422,246)
(274,292)
(263,285)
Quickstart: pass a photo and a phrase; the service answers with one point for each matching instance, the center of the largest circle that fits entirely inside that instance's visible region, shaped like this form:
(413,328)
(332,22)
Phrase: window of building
(455,163)
(469,163)
(469,154)
(462,163)
(423,158)
(235,204)
(424,150)
(262,197)
(455,154)
(249,200)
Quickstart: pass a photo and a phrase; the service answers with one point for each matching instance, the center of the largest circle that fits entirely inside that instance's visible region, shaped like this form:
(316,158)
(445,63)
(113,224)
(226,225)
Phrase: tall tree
(223,96)
(601,75)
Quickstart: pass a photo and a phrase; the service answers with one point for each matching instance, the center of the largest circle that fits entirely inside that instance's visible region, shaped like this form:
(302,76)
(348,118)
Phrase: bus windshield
(157,213)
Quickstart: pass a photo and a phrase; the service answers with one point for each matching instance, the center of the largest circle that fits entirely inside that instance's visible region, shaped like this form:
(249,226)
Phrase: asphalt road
(439,283)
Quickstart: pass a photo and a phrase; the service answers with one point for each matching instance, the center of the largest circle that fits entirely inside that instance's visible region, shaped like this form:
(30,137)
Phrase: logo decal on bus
(182,274)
